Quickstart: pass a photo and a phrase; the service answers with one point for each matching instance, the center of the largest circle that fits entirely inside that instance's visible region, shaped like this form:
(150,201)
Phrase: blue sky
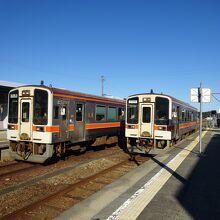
(168,46)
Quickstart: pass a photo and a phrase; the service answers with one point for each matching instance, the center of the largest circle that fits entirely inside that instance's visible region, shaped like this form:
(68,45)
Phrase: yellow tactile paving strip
(133,207)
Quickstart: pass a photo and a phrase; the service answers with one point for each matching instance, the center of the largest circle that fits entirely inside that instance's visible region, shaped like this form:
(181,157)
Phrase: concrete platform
(4,145)
(3,135)
(180,184)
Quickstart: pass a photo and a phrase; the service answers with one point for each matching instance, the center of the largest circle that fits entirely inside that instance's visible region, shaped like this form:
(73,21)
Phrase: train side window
(100,113)
(112,114)
(121,114)
(178,113)
(191,116)
(56,112)
(174,112)
(79,112)
(187,115)
(183,115)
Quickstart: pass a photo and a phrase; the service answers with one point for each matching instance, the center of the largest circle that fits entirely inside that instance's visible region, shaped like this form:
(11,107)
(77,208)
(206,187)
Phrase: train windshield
(40,107)
(132,111)
(13,107)
(162,111)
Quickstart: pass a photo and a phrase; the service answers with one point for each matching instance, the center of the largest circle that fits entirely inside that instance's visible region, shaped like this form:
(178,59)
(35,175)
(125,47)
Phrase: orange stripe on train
(54,128)
(102,125)
(187,124)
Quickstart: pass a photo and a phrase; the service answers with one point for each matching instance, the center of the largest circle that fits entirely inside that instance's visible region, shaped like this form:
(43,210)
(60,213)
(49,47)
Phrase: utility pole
(200,117)
(102,80)
(200,95)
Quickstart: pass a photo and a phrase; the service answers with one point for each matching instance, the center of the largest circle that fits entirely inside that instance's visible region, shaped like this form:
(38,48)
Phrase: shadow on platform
(200,194)
(175,174)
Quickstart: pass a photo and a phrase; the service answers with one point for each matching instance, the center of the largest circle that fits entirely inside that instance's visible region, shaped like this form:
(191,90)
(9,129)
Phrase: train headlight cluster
(26,93)
(11,127)
(162,128)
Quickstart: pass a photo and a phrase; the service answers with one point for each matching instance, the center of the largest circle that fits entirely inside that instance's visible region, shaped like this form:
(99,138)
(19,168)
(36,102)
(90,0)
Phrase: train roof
(161,94)
(73,94)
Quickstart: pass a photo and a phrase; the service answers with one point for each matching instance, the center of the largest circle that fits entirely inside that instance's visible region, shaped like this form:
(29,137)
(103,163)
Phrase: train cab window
(100,113)
(40,107)
(112,114)
(132,111)
(13,107)
(79,112)
(162,111)
(56,112)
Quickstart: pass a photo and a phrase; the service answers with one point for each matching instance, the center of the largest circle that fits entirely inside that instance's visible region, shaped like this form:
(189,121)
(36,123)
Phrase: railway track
(16,168)
(52,204)
(31,173)
(8,164)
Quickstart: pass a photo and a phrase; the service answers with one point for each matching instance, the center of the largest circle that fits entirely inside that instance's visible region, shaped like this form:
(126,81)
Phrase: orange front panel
(102,125)
(71,127)
(156,127)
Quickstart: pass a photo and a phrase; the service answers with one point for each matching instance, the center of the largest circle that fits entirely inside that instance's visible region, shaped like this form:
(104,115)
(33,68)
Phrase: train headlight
(40,128)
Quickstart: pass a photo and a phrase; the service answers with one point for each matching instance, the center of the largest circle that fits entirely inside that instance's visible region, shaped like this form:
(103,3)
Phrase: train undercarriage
(40,152)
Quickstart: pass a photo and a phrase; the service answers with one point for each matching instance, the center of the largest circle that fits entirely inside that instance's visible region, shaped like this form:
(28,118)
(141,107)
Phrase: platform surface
(180,184)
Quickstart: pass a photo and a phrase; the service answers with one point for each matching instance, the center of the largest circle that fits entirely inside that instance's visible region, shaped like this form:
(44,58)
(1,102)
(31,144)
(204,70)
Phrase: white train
(155,121)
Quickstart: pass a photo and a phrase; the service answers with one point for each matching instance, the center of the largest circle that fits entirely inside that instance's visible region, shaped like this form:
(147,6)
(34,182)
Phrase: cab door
(26,119)
(146,121)
(79,122)
(64,124)
(177,129)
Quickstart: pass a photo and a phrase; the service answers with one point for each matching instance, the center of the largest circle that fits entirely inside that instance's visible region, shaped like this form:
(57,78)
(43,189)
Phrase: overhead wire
(216,98)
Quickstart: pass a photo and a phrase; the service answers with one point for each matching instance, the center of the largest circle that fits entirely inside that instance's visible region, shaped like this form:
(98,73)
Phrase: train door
(64,125)
(146,123)
(79,122)
(26,119)
(178,122)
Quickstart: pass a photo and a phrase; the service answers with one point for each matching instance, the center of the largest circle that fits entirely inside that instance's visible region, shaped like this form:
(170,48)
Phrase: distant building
(211,113)
(5,87)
